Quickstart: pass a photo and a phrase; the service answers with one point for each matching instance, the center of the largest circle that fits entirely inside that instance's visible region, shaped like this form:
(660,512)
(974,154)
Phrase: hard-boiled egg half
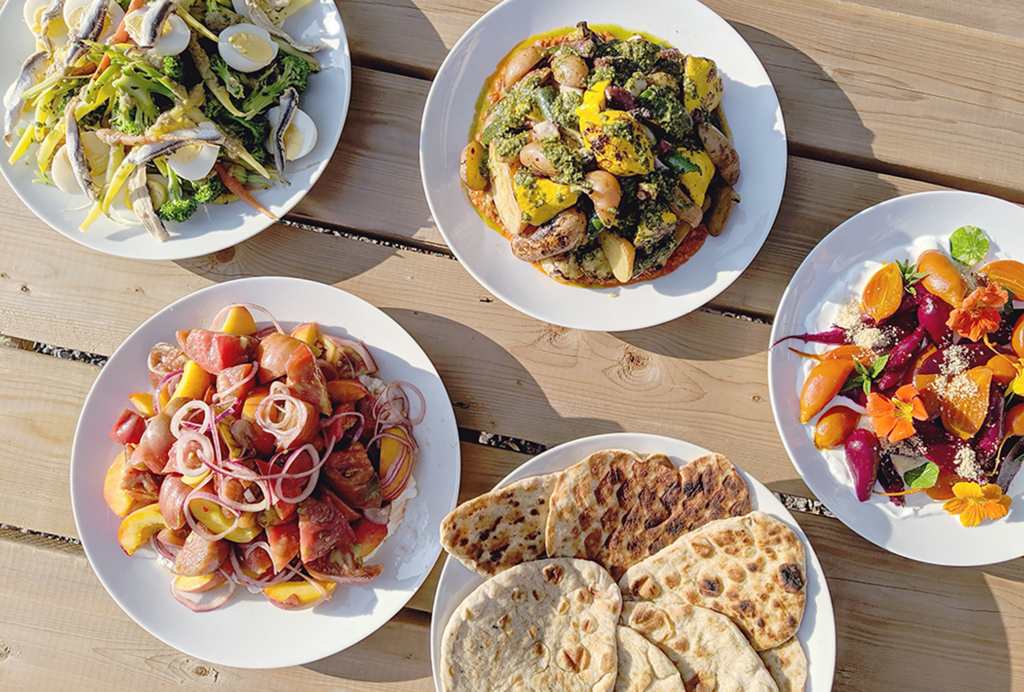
(34,10)
(97,155)
(173,38)
(193,161)
(75,11)
(299,138)
(246,47)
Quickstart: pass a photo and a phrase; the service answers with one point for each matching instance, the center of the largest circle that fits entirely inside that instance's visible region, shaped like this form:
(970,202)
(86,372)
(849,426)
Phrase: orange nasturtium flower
(974,502)
(979,314)
(895,417)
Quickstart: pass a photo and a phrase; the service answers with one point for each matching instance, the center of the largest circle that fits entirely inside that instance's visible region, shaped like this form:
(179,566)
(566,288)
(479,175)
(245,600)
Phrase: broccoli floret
(135,108)
(667,112)
(174,68)
(178,207)
(228,77)
(286,71)
(208,189)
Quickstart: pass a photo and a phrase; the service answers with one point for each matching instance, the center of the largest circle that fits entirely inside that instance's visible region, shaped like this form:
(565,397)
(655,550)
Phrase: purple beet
(891,480)
(932,314)
(830,336)
(863,454)
(940,445)
(904,351)
(1006,324)
(986,442)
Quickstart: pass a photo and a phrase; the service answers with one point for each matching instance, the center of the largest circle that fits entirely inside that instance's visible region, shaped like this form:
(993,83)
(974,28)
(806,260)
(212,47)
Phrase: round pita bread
(751,569)
(542,625)
(710,652)
(643,667)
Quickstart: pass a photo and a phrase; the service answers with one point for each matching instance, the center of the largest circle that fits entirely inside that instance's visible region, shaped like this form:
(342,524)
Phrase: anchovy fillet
(89,30)
(153,23)
(76,153)
(53,10)
(262,20)
(142,205)
(31,72)
(289,106)
(203,133)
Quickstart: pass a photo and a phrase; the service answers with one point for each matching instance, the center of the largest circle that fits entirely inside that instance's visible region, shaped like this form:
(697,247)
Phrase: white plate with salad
(748,100)
(248,631)
(833,276)
(817,633)
(214,226)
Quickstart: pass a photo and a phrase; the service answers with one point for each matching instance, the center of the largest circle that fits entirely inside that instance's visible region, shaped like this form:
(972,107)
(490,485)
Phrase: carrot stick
(121,35)
(236,188)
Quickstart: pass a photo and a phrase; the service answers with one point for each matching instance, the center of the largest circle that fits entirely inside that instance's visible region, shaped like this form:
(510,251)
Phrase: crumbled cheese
(967,463)
(872,338)
(954,361)
(848,317)
(961,392)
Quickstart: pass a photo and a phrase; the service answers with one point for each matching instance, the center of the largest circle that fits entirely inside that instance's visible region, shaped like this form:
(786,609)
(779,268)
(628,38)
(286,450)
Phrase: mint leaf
(878,366)
(863,377)
(922,477)
(968,245)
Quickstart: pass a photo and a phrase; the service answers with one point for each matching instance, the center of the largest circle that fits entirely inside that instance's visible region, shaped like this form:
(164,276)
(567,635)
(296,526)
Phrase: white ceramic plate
(213,227)
(750,104)
(249,632)
(817,631)
(837,268)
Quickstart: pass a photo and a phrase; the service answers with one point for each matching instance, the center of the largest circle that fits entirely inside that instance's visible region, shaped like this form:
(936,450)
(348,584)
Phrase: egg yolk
(292,143)
(252,47)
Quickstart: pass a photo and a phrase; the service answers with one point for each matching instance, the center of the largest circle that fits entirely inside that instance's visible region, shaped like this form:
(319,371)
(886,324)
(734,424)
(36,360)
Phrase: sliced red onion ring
(196,604)
(198,526)
(292,414)
(178,419)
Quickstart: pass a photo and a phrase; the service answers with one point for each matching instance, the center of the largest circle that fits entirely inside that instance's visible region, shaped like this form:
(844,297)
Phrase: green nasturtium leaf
(922,477)
(968,245)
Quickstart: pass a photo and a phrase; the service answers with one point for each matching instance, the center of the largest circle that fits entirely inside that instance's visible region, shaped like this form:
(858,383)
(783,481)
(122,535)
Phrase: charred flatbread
(750,568)
(502,528)
(542,625)
(788,665)
(643,667)
(617,509)
(710,652)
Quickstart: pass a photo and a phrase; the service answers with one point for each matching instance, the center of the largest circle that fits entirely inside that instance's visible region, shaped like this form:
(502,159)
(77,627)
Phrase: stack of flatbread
(709,594)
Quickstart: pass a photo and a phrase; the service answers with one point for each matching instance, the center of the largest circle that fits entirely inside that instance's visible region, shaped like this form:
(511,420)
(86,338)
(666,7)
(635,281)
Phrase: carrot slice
(236,188)
(120,36)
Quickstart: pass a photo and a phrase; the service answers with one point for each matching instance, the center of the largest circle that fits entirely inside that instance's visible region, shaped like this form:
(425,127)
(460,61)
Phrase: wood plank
(62,631)
(904,625)
(856,84)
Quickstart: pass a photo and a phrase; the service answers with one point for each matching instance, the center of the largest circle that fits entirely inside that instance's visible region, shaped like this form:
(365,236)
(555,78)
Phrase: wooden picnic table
(881,98)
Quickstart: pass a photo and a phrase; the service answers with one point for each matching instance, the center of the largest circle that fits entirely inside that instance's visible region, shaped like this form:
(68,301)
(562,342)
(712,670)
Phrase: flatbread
(750,568)
(788,665)
(710,652)
(542,625)
(643,667)
(617,509)
(502,528)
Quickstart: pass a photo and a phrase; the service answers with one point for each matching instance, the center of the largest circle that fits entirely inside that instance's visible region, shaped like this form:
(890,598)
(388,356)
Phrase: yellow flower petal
(995,510)
(992,492)
(972,516)
(967,490)
(955,506)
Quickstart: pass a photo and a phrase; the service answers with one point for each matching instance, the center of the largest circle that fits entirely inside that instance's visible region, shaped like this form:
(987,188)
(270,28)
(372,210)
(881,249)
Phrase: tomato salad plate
(646,215)
(202,218)
(816,631)
(894,375)
(316,522)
